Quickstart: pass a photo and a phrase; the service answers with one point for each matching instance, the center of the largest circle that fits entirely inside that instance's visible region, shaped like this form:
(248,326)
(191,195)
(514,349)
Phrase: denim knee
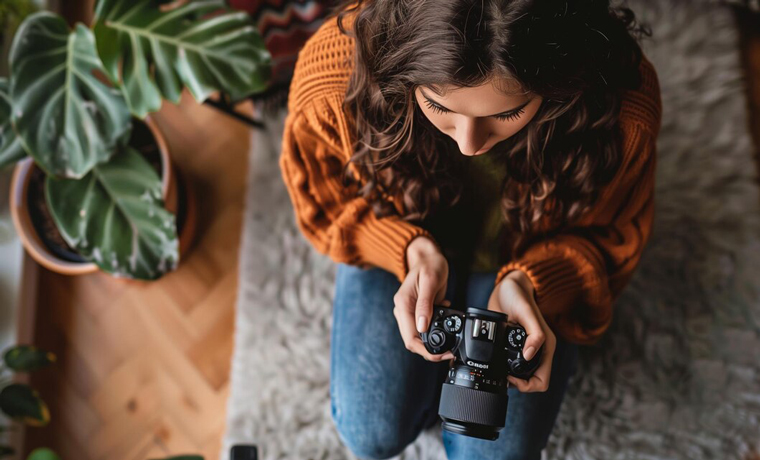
(372,432)
(461,447)
(371,439)
(523,449)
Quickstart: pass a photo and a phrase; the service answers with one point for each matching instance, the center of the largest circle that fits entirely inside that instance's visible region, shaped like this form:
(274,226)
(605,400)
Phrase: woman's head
(535,82)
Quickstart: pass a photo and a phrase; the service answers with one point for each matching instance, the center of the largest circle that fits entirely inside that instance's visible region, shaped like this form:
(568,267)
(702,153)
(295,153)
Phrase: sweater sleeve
(577,275)
(341,226)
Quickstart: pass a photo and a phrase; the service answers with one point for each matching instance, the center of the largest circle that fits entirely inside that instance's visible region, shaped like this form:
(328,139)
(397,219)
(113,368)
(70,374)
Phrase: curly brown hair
(578,55)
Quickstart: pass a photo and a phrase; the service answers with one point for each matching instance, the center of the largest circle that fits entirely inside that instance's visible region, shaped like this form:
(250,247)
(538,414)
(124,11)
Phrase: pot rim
(28,232)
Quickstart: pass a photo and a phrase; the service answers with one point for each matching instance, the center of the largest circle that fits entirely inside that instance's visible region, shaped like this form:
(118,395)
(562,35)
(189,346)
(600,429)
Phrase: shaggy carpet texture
(676,377)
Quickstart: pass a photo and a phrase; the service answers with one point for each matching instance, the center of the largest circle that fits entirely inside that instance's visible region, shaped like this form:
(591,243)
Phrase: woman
(497,154)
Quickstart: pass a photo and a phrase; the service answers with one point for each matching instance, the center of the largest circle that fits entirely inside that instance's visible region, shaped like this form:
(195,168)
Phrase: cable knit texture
(577,276)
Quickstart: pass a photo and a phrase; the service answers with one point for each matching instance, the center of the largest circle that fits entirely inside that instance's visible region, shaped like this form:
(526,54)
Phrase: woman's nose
(471,136)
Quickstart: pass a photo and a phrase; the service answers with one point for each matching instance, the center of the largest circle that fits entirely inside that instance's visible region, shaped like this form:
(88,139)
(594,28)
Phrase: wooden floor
(143,369)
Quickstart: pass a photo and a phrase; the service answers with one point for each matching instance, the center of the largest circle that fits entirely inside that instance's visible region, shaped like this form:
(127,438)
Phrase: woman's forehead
(504,86)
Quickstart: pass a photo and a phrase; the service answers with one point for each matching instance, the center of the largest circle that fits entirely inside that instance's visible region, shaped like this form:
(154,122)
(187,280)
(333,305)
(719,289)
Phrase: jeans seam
(333,347)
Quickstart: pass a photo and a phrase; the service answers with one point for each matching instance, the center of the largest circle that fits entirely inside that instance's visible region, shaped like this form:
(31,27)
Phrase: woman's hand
(514,296)
(424,285)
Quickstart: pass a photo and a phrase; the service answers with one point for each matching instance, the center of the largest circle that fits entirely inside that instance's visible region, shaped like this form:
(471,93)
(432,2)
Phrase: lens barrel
(471,412)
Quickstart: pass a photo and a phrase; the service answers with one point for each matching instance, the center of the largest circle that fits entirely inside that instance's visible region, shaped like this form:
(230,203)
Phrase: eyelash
(512,115)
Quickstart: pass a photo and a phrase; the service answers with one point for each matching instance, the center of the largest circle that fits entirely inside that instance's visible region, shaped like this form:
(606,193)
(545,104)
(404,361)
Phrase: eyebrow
(494,115)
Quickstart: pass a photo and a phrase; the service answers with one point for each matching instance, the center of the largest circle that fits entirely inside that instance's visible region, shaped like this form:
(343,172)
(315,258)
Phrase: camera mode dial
(516,338)
(452,324)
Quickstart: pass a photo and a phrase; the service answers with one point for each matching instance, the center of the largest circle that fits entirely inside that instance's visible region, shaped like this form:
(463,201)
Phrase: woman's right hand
(424,285)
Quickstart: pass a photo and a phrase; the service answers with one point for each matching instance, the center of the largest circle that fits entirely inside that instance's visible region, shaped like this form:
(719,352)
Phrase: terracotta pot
(40,252)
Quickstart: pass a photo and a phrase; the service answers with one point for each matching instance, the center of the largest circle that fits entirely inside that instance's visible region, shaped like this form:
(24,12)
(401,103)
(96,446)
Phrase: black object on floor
(244,452)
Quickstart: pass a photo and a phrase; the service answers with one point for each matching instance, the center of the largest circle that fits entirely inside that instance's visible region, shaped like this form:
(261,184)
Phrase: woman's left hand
(514,296)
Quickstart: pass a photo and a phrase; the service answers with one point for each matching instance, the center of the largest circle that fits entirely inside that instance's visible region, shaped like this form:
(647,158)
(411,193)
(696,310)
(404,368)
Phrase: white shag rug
(678,374)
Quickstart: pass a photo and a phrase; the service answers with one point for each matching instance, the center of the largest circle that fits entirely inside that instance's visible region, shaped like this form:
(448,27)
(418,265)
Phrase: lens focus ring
(473,406)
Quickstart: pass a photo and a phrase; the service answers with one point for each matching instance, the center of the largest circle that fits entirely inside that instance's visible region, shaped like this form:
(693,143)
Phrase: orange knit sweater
(577,276)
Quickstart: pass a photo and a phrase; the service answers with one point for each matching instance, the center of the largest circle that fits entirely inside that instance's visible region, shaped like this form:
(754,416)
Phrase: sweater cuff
(570,286)
(383,243)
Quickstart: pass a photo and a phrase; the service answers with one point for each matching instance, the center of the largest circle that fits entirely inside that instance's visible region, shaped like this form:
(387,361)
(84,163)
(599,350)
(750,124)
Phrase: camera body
(487,348)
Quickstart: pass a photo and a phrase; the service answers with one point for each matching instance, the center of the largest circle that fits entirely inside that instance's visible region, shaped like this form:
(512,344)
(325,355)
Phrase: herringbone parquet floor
(143,368)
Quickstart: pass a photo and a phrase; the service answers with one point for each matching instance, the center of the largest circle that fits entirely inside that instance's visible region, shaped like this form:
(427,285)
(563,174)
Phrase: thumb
(523,313)
(424,309)
(535,339)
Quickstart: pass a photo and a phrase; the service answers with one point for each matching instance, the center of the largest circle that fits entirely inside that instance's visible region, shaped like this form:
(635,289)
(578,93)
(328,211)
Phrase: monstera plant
(73,97)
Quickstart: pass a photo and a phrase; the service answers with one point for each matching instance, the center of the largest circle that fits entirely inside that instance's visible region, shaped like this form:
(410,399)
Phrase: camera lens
(480,414)
(474,397)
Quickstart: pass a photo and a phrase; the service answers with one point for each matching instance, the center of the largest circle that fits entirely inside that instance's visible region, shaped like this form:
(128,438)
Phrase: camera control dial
(452,324)
(516,338)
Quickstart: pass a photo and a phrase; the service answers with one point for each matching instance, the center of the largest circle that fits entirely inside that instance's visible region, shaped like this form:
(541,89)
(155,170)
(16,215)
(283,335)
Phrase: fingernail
(421,323)
(528,353)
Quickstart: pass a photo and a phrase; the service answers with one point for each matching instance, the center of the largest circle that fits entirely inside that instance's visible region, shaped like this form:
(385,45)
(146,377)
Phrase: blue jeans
(383,396)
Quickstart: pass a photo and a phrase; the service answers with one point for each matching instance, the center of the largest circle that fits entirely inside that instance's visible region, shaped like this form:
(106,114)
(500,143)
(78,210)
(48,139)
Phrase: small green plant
(43,453)
(19,401)
(70,100)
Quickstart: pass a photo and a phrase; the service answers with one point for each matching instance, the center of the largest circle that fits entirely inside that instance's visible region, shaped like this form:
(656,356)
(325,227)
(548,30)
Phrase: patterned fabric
(285,25)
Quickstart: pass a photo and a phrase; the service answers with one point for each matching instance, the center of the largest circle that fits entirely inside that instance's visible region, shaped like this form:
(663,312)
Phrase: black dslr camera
(486,350)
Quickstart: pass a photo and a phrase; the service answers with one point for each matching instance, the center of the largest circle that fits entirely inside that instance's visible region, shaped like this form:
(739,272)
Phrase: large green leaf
(10,145)
(20,401)
(26,358)
(115,217)
(160,51)
(67,119)
(43,453)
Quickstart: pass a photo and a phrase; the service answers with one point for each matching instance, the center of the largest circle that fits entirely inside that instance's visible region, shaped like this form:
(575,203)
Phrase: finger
(539,381)
(403,312)
(405,319)
(418,347)
(425,295)
(528,318)
(409,334)
(520,384)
